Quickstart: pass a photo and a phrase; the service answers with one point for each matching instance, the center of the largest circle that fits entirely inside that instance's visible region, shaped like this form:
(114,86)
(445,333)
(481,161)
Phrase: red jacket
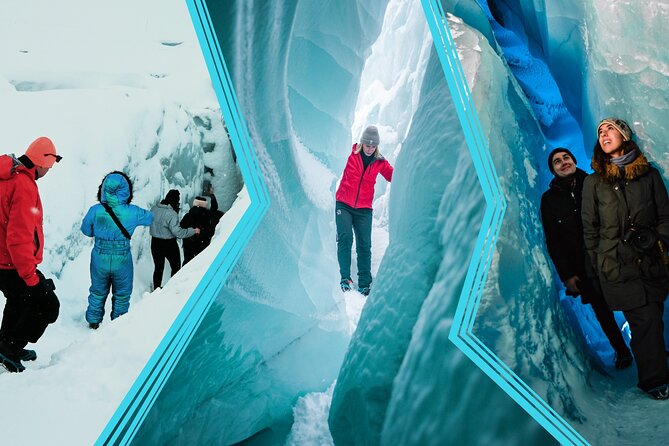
(21,234)
(357,184)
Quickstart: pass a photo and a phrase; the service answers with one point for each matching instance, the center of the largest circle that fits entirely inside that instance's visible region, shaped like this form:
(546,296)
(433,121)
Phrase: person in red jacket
(353,209)
(31,303)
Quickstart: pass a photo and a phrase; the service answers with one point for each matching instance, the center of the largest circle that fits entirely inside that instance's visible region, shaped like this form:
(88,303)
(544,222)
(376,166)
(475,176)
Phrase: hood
(10,166)
(612,173)
(115,190)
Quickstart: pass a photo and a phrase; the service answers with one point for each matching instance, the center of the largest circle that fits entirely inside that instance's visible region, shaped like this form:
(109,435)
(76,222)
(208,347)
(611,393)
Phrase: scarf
(626,159)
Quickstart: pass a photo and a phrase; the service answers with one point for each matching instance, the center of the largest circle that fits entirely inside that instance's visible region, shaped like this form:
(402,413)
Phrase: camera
(641,238)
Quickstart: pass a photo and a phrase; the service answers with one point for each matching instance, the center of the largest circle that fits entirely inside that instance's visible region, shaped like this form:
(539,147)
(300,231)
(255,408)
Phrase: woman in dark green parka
(625,213)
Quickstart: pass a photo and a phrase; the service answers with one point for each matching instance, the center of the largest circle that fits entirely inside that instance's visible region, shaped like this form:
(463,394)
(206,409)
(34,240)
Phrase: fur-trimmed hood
(611,173)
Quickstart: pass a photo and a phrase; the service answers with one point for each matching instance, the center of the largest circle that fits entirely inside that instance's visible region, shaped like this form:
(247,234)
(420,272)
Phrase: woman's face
(368,149)
(610,140)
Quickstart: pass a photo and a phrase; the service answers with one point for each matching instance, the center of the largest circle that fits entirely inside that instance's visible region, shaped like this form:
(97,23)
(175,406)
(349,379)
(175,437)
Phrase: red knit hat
(42,152)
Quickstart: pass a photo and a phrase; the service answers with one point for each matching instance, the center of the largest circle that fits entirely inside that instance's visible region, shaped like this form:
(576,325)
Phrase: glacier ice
(281,304)
(279,329)
(247,384)
(600,73)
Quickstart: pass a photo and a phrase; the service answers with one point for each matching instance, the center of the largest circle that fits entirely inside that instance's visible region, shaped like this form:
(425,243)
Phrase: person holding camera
(31,302)
(561,218)
(625,213)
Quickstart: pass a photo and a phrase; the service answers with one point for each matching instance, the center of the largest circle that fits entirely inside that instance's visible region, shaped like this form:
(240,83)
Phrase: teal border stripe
(127,419)
(461,333)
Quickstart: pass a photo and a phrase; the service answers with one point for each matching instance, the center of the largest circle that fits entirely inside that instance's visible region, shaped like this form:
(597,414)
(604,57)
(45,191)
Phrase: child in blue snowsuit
(111,259)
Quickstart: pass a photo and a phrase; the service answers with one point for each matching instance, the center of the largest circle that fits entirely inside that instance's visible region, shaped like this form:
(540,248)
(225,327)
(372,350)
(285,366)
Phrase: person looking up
(625,213)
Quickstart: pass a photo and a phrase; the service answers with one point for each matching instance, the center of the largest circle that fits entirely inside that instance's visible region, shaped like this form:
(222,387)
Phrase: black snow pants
(604,315)
(647,329)
(24,319)
(162,249)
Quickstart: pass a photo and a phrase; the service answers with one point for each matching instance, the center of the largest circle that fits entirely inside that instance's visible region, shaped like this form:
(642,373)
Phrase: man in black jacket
(561,217)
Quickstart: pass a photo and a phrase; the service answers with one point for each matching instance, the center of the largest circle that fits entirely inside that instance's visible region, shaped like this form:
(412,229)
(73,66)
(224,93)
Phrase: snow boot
(364,291)
(345,284)
(623,361)
(27,355)
(659,392)
(94,325)
(9,359)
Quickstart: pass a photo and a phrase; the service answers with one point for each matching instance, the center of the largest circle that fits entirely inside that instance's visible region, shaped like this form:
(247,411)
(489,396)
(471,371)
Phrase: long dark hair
(127,178)
(601,159)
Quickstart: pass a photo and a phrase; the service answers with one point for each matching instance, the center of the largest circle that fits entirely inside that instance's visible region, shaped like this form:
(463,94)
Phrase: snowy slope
(117,87)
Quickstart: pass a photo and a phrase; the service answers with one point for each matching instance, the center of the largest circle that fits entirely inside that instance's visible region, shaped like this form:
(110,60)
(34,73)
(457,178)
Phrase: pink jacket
(357,184)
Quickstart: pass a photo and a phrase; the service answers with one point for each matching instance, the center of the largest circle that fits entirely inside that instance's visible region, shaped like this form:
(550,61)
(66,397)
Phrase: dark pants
(605,316)
(162,249)
(193,246)
(358,221)
(24,319)
(647,329)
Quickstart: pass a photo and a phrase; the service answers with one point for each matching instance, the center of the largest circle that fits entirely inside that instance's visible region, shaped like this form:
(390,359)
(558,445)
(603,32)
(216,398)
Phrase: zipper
(364,170)
(355,205)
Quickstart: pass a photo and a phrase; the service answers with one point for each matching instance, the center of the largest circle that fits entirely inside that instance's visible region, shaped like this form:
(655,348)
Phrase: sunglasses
(58,157)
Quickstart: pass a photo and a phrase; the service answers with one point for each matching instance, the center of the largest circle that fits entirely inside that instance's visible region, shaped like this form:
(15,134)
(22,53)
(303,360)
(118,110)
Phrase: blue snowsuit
(111,259)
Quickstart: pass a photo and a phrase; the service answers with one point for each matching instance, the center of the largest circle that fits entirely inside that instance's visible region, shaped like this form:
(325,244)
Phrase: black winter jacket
(613,199)
(561,218)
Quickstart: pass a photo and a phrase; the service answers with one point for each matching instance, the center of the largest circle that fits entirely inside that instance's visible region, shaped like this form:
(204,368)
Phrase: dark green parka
(629,279)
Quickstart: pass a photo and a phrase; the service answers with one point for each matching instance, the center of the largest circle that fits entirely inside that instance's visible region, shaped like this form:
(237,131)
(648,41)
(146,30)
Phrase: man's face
(41,171)
(563,164)
(368,149)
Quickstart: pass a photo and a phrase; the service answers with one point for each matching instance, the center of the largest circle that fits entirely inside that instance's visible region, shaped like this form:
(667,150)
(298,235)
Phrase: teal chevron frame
(123,425)
(461,333)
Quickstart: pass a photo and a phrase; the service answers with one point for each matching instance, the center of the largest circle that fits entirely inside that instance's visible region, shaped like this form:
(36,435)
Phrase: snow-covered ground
(116,86)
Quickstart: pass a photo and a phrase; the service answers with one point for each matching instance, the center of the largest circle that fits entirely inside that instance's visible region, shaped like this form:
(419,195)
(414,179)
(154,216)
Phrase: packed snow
(114,90)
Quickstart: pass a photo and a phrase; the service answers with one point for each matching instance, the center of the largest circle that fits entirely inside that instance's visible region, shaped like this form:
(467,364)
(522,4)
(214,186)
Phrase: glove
(44,300)
(37,292)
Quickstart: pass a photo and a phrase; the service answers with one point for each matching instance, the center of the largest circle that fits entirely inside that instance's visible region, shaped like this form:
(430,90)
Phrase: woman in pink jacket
(353,210)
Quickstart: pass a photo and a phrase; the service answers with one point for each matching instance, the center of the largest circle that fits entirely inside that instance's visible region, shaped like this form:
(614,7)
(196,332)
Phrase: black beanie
(558,150)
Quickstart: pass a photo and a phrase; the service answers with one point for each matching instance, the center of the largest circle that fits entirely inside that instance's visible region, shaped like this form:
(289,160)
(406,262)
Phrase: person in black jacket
(561,217)
(199,216)
(625,215)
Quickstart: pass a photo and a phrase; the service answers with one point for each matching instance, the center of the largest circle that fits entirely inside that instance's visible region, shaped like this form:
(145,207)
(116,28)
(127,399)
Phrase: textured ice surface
(401,376)
(279,330)
(622,76)
(279,327)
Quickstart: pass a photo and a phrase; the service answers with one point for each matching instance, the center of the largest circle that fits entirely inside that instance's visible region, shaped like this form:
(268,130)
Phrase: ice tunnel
(307,77)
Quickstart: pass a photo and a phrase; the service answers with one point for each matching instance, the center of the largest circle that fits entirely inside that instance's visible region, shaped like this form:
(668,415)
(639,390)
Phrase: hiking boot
(346,284)
(94,325)
(364,291)
(27,355)
(623,361)
(9,360)
(659,392)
